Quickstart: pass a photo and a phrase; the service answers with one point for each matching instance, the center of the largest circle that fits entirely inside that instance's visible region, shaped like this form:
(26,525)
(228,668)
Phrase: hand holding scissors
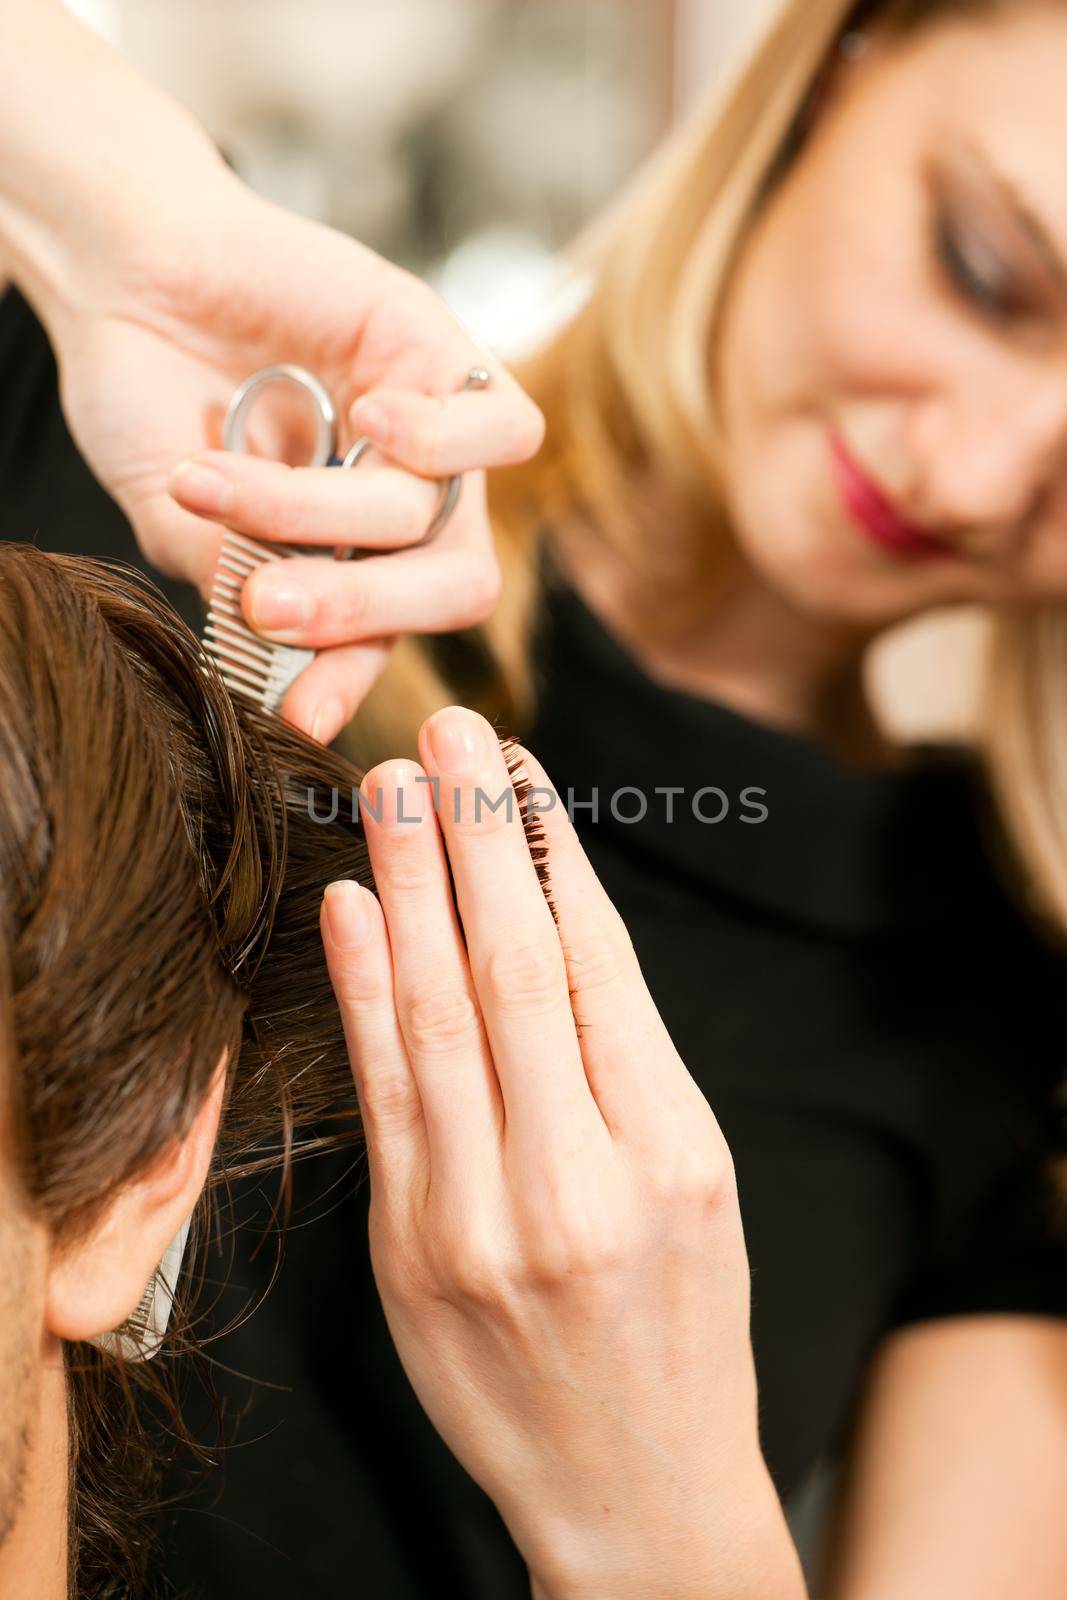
(264,670)
(235,430)
(210,284)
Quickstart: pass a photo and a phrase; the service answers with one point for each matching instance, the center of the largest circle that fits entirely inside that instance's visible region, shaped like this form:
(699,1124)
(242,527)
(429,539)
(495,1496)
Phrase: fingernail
(201,488)
(457,738)
(347,914)
(370,418)
(395,797)
(328,721)
(279,603)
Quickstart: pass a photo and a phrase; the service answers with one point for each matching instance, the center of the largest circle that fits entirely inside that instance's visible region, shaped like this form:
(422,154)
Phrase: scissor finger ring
(234,433)
(235,425)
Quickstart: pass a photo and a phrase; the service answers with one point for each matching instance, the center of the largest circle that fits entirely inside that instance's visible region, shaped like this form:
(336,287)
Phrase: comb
(250,666)
(256,668)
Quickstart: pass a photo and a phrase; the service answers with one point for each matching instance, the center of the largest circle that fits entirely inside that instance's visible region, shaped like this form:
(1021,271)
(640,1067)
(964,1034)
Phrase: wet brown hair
(160,881)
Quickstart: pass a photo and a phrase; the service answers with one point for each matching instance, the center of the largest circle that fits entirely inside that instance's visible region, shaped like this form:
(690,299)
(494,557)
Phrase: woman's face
(893,352)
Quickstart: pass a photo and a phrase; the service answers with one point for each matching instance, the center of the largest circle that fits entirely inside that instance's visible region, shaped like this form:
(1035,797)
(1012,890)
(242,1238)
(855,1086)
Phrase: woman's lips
(869,508)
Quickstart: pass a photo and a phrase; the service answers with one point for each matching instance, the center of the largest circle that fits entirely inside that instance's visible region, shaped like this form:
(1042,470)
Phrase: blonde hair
(626,388)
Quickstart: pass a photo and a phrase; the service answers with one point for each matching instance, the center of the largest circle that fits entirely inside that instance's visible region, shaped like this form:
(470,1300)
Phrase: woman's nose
(998,453)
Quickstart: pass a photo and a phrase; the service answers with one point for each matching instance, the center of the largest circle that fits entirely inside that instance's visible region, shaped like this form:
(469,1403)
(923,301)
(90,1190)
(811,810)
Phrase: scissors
(235,427)
(259,669)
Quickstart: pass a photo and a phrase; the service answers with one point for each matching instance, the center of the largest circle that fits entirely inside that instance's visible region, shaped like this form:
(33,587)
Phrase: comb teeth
(250,666)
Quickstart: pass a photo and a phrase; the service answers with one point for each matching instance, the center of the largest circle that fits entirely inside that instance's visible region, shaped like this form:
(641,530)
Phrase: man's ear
(95,1282)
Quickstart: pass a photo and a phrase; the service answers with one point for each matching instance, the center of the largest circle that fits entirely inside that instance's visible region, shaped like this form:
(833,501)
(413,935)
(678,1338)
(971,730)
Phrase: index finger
(438,436)
(376,507)
(513,949)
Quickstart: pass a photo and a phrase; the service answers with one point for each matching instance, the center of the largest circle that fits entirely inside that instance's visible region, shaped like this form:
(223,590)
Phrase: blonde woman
(819,388)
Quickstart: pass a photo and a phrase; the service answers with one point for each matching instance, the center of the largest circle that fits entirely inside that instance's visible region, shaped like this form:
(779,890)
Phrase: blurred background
(467,139)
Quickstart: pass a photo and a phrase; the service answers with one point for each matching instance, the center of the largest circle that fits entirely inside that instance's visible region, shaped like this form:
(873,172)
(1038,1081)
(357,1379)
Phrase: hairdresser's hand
(554,1225)
(163,282)
(146,379)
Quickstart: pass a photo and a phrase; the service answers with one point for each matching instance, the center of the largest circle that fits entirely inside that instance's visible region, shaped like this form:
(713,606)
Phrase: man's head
(159,885)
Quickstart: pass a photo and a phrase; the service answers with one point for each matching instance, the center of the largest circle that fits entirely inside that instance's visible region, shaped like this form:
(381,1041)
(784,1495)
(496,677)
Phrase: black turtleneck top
(876,1025)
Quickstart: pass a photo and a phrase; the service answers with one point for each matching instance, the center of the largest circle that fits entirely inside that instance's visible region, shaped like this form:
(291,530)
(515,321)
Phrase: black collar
(846,850)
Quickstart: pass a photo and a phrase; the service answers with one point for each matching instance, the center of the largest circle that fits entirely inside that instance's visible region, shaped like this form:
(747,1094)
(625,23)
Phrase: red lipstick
(869,508)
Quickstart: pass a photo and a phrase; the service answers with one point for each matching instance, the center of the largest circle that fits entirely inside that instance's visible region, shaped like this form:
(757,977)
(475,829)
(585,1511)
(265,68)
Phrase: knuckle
(408,867)
(599,960)
(700,1173)
(359,988)
(350,600)
(476,1276)
(388,775)
(426,441)
(471,1264)
(281,501)
(253,501)
(531,432)
(391,1101)
(399,1267)
(524,975)
(480,592)
(298,510)
(577,1245)
(439,1020)
(481,809)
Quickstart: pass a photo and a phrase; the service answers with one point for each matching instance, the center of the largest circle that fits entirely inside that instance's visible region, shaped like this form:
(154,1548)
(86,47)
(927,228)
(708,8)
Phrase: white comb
(257,668)
(250,666)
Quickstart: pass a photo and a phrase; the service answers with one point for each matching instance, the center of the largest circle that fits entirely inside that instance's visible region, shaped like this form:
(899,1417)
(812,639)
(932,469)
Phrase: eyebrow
(1023,214)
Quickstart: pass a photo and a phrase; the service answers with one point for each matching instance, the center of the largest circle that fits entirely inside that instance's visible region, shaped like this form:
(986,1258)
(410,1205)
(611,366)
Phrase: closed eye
(978,273)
